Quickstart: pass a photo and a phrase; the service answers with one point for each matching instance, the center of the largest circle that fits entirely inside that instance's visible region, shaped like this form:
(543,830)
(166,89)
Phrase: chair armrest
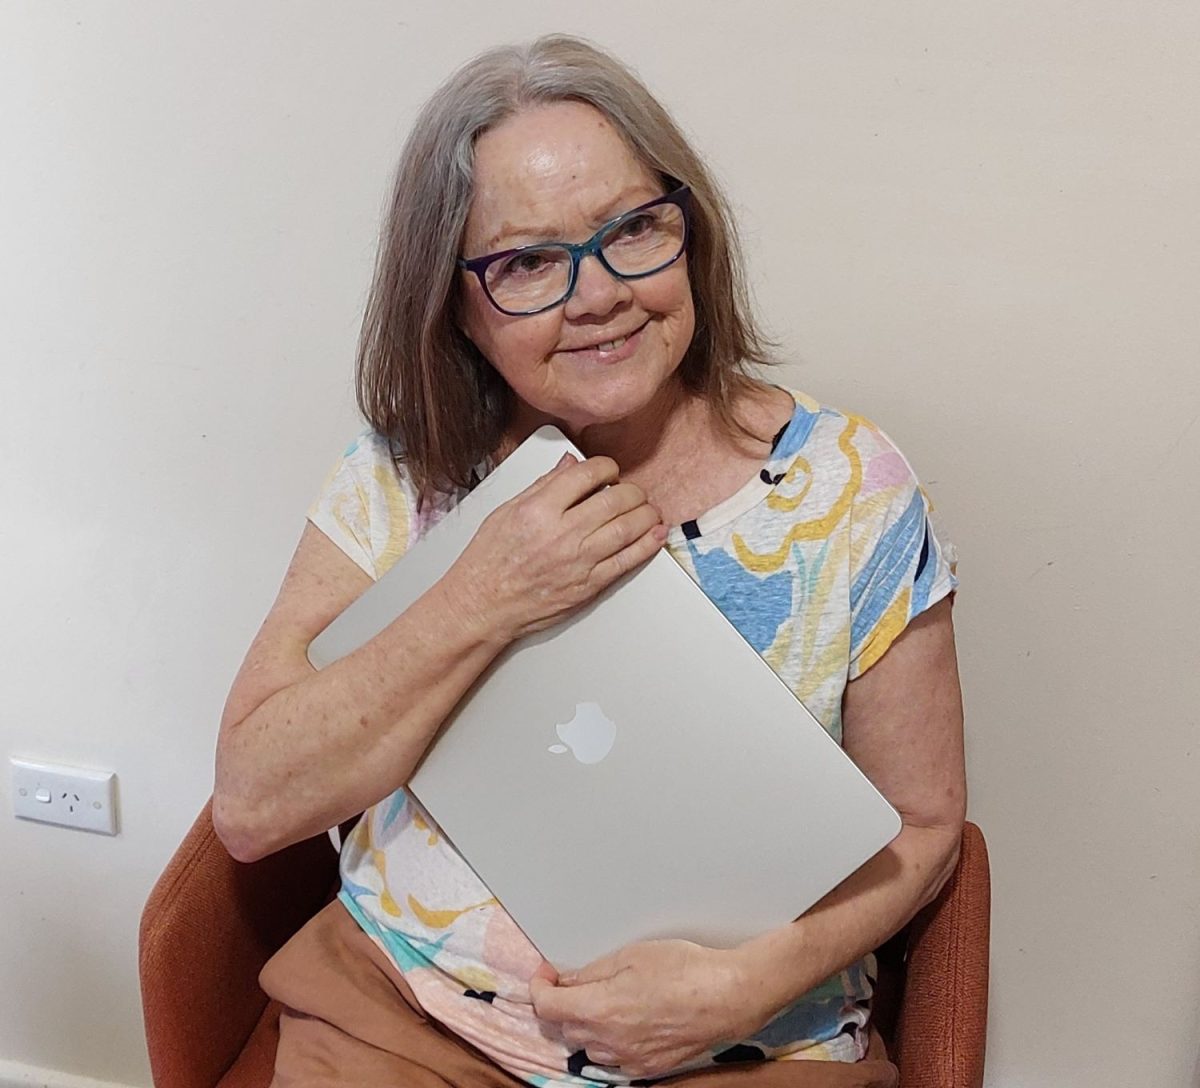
(207,928)
(942,1027)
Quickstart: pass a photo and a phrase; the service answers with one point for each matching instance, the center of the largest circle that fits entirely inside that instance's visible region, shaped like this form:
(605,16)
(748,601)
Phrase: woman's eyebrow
(508,233)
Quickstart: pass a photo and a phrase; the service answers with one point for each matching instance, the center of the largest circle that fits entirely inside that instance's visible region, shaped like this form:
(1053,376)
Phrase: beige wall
(977,223)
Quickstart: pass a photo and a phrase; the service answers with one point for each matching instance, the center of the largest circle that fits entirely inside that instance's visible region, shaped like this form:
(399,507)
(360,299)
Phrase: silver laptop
(636,772)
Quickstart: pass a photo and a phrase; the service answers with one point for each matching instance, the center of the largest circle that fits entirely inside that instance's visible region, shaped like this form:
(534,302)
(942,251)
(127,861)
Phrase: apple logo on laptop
(589,735)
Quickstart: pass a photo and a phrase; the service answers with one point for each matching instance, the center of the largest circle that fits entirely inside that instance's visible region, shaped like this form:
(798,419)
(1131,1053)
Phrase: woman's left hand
(649,1007)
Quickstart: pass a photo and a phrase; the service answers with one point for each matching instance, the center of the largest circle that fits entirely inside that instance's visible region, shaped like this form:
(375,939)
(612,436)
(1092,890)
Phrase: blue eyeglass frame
(479,265)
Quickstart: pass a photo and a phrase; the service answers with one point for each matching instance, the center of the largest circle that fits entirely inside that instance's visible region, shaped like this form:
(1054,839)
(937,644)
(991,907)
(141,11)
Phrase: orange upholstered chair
(211,923)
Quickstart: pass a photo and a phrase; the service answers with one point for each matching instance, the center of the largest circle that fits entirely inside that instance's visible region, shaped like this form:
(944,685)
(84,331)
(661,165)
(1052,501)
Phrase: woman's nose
(597,291)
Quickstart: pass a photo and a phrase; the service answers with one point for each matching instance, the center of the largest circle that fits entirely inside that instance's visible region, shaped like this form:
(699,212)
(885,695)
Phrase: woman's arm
(902,725)
(301,750)
(654,1005)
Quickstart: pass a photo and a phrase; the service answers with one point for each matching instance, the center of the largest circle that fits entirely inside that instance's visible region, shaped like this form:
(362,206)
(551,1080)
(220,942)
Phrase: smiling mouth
(611,345)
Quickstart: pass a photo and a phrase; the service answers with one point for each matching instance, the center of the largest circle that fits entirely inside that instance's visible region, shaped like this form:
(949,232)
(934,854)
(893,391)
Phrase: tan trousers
(350,1019)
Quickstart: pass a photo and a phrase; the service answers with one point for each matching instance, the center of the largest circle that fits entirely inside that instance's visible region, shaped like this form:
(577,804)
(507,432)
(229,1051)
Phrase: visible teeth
(612,345)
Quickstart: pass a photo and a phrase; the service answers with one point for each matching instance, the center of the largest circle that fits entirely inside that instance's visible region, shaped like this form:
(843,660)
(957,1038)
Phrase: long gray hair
(420,381)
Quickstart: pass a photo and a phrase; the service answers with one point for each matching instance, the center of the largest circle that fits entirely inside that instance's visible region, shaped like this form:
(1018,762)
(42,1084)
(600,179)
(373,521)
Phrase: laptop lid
(635,772)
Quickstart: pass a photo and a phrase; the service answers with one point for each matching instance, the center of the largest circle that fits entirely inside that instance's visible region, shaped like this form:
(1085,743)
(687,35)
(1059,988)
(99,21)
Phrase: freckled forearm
(856,917)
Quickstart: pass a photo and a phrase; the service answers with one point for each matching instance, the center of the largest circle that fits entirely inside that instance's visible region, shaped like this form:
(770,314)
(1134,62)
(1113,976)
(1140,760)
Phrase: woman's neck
(677,428)
(675,424)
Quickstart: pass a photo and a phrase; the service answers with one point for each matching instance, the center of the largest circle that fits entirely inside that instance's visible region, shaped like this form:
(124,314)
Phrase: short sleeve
(898,566)
(364,506)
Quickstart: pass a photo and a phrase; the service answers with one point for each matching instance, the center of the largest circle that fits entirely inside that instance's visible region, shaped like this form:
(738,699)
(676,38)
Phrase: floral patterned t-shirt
(820,562)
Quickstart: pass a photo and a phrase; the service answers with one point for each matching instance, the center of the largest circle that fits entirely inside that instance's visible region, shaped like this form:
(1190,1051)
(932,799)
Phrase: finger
(566,459)
(627,559)
(579,1036)
(574,482)
(606,504)
(550,1002)
(583,1004)
(584,1037)
(540,988)
(546,970)
(599,969)
(597,1055)
(619,533)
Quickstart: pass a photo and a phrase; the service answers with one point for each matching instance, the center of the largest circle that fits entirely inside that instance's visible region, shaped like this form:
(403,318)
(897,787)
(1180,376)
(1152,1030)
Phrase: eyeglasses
(530,279)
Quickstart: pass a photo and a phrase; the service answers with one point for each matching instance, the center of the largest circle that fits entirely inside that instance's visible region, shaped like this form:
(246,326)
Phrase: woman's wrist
(765,968)
(470,617)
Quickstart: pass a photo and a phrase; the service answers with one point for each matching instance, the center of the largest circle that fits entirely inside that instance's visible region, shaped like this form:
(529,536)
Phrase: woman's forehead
(547,170)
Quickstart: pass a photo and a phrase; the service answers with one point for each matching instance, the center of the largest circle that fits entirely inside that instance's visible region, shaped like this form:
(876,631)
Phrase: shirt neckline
(745,499)
(751,493)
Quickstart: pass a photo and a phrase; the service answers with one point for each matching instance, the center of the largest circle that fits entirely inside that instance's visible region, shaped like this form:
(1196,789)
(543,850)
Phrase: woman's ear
(461,318)
(466,344)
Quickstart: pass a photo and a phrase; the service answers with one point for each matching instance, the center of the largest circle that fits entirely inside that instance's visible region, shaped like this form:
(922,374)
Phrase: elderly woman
(557,252)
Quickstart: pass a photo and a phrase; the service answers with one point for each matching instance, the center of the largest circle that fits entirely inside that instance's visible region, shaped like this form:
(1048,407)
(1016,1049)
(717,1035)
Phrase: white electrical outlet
(70,796)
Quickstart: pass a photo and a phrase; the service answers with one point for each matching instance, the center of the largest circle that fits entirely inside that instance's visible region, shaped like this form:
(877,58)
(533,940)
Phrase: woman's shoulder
(370,465)
(824,434)
(368,449)
(368,503)
(840,466)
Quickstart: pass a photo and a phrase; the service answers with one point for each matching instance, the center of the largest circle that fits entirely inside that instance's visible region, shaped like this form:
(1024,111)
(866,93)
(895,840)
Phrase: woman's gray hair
(420,381)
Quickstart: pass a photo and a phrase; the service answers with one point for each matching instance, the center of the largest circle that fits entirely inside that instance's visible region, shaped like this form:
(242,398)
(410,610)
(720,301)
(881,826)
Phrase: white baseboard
(15,1075)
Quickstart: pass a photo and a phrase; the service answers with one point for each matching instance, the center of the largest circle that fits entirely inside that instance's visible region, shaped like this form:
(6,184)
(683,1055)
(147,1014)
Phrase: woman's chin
(602,407)
(576,401)
(609,395)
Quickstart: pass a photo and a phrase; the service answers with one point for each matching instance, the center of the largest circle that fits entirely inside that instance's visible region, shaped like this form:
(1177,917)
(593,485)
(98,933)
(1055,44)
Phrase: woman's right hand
(554,547)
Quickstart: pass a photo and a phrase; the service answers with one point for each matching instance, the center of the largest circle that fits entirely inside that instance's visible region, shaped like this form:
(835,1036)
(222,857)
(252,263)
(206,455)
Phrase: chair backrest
(207,928)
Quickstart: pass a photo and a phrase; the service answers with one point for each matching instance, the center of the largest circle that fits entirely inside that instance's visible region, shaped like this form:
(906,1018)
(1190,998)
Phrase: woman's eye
(636,226)
(525,264)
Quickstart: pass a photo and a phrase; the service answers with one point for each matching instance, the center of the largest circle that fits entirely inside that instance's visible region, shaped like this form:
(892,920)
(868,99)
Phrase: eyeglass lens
(635,245)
